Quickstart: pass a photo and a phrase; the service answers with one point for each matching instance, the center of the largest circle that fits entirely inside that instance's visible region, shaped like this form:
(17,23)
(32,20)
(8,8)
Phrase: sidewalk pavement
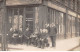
(76,49)
(61,45)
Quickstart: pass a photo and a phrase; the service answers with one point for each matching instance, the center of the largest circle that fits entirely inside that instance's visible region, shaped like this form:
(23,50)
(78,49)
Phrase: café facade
(35,14)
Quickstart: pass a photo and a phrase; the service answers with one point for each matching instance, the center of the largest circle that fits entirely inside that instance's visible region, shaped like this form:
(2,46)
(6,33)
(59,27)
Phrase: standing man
(52,31)
(53,34)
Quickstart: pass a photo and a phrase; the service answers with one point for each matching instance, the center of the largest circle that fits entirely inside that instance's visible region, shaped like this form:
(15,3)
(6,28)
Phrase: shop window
(15,22)
(15,19)
(76,27)
(57,23)
(69,26)
(10,15)
(51,18)
(73,26)
(60,24)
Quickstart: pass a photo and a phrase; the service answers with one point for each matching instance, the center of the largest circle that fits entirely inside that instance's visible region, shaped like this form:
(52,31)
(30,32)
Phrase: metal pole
(3,45)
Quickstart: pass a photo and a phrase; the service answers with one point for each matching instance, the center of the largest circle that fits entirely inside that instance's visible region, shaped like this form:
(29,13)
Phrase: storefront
(34,15)
(21,18)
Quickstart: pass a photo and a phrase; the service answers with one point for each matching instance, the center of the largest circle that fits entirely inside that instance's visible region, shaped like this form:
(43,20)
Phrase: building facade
(64,13)
(35,14)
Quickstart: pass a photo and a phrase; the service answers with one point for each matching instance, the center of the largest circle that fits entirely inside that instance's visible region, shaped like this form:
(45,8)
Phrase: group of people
(36,39)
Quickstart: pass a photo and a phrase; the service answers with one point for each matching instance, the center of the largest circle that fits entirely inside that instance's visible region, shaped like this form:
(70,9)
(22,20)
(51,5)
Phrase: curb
(73,48)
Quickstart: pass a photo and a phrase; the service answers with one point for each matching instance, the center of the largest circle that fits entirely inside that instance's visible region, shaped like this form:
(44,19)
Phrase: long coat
(52,31)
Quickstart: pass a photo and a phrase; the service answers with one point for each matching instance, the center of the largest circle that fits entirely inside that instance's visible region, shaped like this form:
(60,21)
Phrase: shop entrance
(19,20)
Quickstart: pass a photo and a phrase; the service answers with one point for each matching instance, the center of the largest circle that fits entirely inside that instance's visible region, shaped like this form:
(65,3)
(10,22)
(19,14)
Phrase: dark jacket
(27,33)
(52,31)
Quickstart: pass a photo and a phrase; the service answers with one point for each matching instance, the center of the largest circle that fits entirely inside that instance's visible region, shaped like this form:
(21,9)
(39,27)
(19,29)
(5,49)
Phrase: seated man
(26,36)
(33,39)
(43,41)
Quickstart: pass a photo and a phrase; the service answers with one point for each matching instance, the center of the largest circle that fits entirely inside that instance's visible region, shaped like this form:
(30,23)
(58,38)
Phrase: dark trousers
(53,39)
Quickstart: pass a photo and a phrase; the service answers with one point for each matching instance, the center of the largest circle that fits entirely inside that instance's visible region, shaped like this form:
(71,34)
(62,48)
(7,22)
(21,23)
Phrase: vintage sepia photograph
(39,25)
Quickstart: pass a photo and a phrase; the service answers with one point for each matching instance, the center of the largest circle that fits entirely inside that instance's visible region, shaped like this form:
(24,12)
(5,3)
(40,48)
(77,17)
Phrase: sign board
(22,2)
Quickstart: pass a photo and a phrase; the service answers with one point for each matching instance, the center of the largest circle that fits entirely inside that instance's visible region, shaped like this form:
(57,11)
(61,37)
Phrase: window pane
(61,26)
(69,26)
(73,26)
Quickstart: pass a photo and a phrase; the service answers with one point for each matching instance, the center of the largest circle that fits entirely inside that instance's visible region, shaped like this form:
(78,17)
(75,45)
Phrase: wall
(42,16)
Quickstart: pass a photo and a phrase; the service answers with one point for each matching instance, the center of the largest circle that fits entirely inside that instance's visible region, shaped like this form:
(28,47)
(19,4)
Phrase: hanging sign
(22,2)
